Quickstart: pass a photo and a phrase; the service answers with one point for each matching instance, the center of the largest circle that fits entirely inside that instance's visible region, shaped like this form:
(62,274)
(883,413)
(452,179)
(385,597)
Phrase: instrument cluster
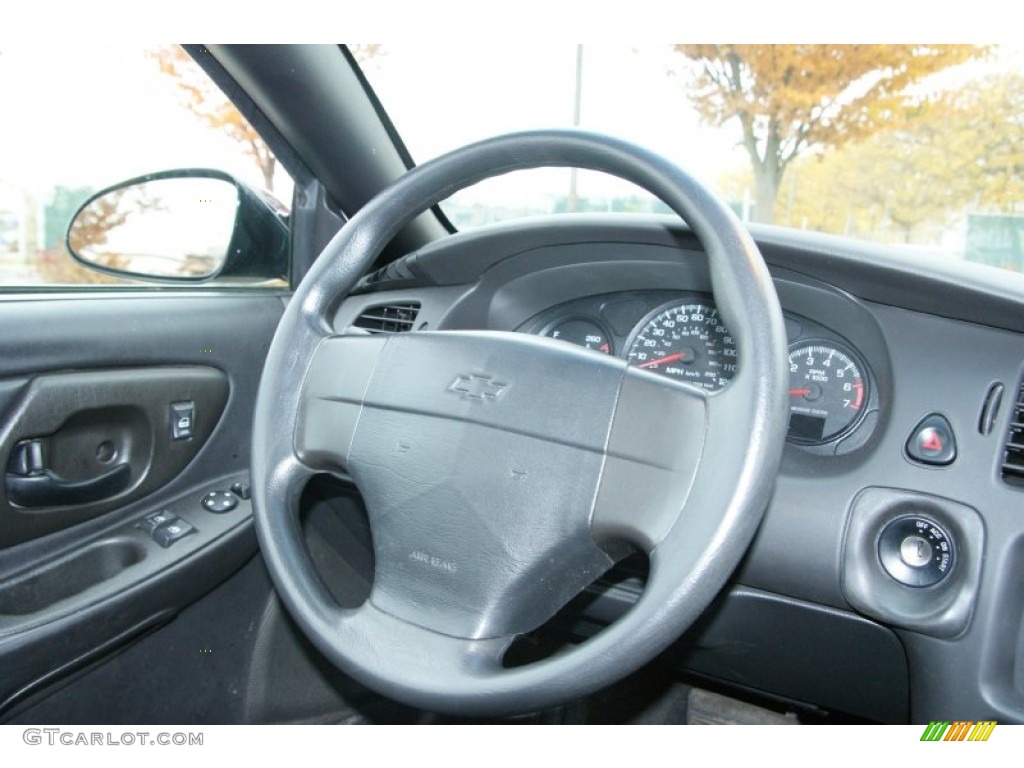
(682,336)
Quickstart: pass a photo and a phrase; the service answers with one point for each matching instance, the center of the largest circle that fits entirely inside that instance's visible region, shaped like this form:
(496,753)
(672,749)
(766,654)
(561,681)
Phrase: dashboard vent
(389,318)
(1013,459)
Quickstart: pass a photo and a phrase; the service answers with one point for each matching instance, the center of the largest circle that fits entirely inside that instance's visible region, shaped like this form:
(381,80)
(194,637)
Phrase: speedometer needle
(660,360)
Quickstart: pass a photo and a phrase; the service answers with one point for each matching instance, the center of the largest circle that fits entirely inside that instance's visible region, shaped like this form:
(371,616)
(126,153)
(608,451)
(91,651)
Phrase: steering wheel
(502,472)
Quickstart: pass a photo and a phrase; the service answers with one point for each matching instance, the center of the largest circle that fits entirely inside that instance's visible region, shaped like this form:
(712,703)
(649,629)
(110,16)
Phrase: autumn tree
(202,97)
(987,117)
(908,182)
(53,263)
(364,53)
(91,228)
(789,99)
(896,186)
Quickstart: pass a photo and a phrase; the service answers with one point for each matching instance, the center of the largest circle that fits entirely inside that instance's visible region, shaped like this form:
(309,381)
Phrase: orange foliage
(789,98)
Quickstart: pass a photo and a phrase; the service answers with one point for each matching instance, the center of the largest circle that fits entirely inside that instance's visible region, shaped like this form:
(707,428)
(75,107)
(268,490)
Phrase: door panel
(103,368)
(84,443)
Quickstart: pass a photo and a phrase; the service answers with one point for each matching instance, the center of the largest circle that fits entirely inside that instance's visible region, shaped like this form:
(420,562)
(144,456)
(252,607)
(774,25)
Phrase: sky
(442,98)
(96,115)
(534,21)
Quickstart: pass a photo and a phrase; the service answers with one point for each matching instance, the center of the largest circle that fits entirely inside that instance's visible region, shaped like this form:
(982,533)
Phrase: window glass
(81,119)
(913,146)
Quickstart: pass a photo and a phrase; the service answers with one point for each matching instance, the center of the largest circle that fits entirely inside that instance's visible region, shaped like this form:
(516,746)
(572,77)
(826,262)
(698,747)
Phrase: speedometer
(687,342)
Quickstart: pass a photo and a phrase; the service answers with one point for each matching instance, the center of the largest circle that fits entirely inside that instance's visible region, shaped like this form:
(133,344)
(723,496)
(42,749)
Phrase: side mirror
(183,226)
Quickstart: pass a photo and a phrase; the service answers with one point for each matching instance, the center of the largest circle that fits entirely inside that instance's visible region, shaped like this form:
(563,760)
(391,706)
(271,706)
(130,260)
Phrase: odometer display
(827,393)
(686,342)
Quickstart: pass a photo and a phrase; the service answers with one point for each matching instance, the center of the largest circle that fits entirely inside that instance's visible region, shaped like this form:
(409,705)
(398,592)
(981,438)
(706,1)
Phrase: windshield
(916,145)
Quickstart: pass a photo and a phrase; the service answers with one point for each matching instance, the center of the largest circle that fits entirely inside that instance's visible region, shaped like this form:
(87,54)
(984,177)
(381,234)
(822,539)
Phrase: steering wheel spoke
(332,399)
(654,451)
(376,638)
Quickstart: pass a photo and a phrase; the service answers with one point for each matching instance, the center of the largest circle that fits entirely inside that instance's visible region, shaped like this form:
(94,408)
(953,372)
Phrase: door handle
(30,484)
(48,490)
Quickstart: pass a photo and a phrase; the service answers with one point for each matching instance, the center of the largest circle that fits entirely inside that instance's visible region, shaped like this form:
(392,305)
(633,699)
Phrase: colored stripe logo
(961,730)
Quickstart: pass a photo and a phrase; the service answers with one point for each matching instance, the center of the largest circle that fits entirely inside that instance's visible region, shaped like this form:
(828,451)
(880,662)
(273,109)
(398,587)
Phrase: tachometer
(827,392)
(686,342)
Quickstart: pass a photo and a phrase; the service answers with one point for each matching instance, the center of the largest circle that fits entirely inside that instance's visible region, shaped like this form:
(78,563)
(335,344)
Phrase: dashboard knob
(916,551)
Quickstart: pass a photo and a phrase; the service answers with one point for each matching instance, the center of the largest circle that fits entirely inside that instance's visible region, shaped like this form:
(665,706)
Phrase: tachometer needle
(804,391)
(660,360)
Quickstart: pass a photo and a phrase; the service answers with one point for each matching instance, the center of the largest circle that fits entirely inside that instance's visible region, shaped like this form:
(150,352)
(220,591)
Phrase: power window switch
(170,533)
(151,522)
(182,420)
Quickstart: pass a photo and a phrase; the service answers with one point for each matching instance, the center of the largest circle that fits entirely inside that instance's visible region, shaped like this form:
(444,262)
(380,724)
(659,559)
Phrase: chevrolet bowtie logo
(477,387)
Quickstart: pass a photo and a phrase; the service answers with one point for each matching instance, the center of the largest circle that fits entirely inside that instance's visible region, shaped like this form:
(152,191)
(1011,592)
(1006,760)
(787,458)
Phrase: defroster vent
(1013,459)
(389,318)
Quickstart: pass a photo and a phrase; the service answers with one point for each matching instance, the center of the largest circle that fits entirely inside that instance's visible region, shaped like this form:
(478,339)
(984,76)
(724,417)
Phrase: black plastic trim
(937,286)
(56,638)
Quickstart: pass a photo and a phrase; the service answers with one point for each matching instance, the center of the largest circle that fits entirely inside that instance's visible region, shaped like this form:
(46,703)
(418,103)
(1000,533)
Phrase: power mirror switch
(182,420)
(219,502)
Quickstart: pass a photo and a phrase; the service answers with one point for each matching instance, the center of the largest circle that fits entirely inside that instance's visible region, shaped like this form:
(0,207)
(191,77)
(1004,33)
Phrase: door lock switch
(182,420)
(242,490)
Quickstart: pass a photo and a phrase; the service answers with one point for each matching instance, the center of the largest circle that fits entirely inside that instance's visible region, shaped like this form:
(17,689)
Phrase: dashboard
(885,581)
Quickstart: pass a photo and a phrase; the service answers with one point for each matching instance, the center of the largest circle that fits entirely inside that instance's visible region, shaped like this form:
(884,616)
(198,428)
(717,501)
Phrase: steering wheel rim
(433,632)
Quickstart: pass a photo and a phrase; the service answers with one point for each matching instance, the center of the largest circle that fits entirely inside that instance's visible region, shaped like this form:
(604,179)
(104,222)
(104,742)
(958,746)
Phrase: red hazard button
(932,441)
